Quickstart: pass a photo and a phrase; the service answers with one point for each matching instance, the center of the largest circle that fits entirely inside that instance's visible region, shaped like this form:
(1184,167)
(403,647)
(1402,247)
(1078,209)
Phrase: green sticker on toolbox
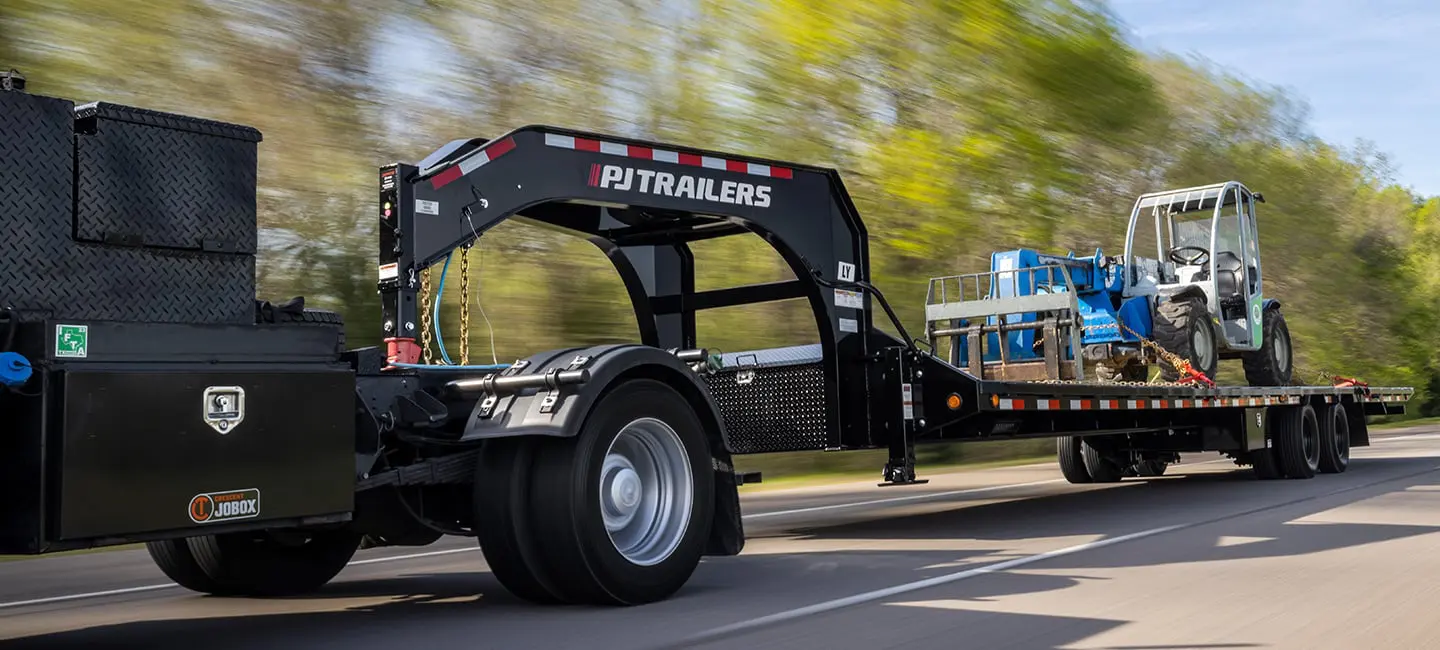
(72,341)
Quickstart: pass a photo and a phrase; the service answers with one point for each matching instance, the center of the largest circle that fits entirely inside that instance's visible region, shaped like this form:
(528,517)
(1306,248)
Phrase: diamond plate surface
(780,409)
(773,356)
(45,270)
(169,188)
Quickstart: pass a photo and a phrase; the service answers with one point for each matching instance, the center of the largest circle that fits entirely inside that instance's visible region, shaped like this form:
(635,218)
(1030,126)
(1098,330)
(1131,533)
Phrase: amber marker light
(953,401)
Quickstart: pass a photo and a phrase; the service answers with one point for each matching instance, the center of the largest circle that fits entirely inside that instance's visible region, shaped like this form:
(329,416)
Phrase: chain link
(1179,363)
(465,306)
(425,317)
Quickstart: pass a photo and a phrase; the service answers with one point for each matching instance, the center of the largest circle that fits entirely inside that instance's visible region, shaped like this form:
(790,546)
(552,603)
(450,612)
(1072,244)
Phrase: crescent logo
(201,507)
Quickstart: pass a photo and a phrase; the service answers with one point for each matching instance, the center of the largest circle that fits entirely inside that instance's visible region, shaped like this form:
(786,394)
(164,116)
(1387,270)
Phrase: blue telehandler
(1186,293)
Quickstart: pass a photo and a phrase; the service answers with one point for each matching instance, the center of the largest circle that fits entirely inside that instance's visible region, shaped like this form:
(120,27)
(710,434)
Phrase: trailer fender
(1268,304)
(525,413)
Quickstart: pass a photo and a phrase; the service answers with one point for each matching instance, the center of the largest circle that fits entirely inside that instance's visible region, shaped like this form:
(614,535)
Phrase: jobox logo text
(224,506)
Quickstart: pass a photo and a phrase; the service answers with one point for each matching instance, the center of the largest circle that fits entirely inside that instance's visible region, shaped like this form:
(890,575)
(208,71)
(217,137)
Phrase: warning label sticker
(849,299)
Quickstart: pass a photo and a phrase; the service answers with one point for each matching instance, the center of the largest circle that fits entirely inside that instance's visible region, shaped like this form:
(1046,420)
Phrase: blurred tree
(960,127)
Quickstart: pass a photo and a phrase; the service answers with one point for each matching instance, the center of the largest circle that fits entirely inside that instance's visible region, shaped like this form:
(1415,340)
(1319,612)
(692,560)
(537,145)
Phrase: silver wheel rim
(645,491)
(1201,346)
(1282,351)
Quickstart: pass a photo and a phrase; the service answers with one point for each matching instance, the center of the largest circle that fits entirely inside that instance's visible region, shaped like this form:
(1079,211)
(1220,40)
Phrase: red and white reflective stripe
(471,163)
(662,155)
(1043,404)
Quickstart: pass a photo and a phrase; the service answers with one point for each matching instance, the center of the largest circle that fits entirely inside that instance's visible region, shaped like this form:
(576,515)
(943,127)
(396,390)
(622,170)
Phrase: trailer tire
(1273,364)
(1102,468)
(1298,441)
(1265,465)
(503,528)
(1334,439)
(177,562)
(1071,456)
(1151,468)
(260,564)
(1182,327)
(643,449)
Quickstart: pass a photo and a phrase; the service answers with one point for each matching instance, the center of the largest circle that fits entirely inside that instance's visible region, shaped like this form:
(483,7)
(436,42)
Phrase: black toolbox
(114,213)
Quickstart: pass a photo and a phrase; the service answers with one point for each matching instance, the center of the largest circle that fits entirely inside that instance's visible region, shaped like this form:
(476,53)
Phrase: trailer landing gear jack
(900,470)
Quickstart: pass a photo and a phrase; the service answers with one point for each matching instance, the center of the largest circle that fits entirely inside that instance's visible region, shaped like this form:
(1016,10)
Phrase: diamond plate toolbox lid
(160,180)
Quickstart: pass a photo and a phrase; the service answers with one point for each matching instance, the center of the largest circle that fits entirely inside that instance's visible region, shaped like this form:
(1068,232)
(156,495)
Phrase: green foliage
(960,128)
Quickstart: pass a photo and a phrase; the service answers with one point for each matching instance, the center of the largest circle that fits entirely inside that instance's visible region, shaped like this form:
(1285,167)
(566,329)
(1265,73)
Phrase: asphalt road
(1205,557)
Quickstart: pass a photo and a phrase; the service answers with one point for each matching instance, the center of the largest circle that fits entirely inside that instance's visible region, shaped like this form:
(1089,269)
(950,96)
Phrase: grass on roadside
(797,469)
(1405,424)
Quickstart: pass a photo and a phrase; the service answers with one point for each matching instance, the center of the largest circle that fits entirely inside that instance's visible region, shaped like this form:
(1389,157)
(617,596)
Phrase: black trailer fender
(577,379)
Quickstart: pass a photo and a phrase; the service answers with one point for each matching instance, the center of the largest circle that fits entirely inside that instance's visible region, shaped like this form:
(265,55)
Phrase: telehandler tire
(1182,327)
(1273,364)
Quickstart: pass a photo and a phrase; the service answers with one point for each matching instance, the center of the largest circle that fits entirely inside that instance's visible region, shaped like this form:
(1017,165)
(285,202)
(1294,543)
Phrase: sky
(1367,68)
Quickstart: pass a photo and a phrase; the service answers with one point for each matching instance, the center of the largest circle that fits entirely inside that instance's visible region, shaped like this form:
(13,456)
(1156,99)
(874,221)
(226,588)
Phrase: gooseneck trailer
(149,396)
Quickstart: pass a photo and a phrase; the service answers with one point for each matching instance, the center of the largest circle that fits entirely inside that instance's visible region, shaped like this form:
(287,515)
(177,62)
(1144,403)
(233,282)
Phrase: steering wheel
(1200,257)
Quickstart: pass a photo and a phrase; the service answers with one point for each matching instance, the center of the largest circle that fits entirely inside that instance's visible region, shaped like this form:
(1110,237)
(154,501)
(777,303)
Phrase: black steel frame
(810,221)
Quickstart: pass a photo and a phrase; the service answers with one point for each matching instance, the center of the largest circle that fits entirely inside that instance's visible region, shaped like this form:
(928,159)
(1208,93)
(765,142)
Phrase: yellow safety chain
(1180,364)
(465,306)
(425,317)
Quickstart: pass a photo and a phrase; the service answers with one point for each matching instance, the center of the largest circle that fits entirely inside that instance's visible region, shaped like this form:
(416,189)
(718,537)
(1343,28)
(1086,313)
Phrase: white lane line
(169,585)
(93,594)
(427,554)
(912,497)
(1412,436)
(878,594)
(931,495)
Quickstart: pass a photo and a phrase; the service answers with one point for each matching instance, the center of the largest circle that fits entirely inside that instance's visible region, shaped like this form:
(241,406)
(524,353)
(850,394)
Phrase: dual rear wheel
(1305,441)
(618,515)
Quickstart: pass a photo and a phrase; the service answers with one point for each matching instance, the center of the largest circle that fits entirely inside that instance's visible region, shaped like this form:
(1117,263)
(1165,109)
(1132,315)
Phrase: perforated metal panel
(45,270)
(773,401)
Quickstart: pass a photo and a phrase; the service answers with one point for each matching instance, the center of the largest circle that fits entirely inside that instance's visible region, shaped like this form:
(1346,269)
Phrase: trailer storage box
(158,180)
(131,431)
(772,400)
(161,233)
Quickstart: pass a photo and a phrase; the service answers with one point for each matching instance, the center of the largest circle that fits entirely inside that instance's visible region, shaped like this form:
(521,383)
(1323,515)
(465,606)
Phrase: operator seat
(1227,275)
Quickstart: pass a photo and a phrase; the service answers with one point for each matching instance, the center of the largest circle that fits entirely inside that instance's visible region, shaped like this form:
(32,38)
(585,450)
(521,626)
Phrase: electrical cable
(426,366)
(435,312)
(479,272)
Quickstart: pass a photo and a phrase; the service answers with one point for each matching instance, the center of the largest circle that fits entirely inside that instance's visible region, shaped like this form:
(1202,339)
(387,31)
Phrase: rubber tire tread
(316,316)
(1290,443)
(1071,458)
(241,565)
(569,529)
(1334,425)
(1265,465)
(1260,369)
(1173,321)
(1100,468)
(177,562)
(503,508)
(1151,468)
(310,315)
